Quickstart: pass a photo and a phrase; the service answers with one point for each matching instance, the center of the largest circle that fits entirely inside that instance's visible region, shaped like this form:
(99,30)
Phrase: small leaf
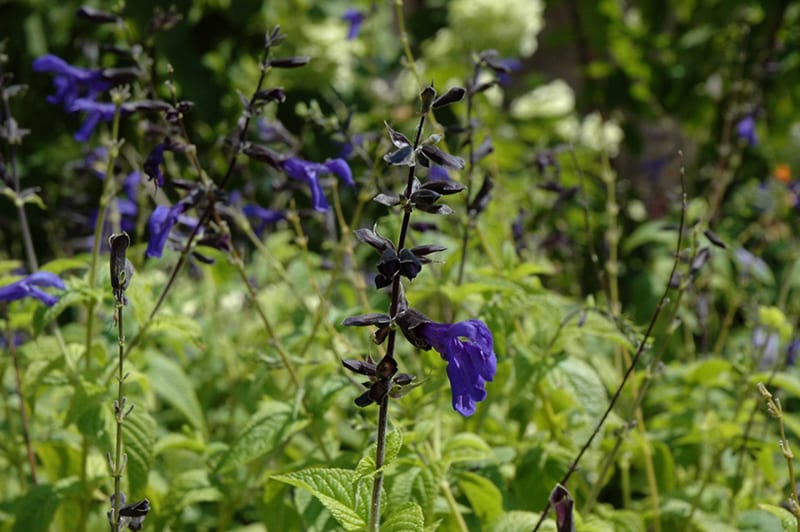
(263,433)
(484,497)
(466,447)
(404,518)
(337,489)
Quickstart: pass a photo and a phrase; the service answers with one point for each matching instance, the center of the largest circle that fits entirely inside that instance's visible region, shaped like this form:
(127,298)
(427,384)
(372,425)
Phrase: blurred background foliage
(610,99)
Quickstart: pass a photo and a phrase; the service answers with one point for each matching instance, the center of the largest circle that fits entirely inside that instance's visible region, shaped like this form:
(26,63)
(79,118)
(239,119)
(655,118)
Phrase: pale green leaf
(36,509)
(338,490)
(404,518)
(484,497)
(394,442)
(191,487)
(415,484)
(171,382)
(788,521)
(466,447)
(139,435)
(519,521)
(266,429)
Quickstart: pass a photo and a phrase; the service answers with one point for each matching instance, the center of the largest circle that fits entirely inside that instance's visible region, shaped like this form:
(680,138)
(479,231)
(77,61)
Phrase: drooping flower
(355,18)
(468,348)
(310,172)
(264,216)
(746,129)
(71,82)
(31,285)
(160,224)
(152,165)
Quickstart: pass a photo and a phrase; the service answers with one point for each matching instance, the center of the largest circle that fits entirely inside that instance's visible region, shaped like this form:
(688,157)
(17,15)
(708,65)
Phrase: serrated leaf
(788,521)
(43,316)
(139,433)
(466,447)
(191,487)
(518,521)
(184,326)
(170,381)
(404,518)
(394,442)
(484,497)
(36,509)
(86,395)
(265,431)
(416,484)
(338,490)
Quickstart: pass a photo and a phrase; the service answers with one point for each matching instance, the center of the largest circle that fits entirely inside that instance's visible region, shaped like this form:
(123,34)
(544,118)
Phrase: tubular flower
(309,173)
(30,286)
(161,223)
(468,348)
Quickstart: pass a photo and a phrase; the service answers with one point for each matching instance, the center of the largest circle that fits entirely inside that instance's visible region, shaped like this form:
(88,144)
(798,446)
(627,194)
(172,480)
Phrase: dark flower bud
(381,281)
(480,87)
(442,159)
(403,379)
(425,197)
(443,210)
(386,368)
(402,157)
(371,237)
(117,76)
(427,95)
(699,260)
(443,187)
(360,367)
(453,95)
(714,239)
(289,62)
(410,265)
(151,105)
(408,321)
(675,280)
(262,154)
(184,106)
(389,264)
(398,139)
(274,37)
(481,199)
(486,147)
(377,319)
(121,268)
(96,16)
(422,251)
(378,390)
(562,504)
(270,95)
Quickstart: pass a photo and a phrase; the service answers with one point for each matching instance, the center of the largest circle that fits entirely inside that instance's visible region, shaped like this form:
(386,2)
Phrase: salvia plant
(391,266)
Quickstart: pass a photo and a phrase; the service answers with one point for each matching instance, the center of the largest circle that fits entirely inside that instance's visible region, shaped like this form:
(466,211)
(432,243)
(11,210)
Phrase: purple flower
(95,113)
(71,82)
(512,64)
(309,172)
(746,128)
(160,224)
(264,216)
(468,348)
(437,173)
(30,287)
(152,165)
(355,18)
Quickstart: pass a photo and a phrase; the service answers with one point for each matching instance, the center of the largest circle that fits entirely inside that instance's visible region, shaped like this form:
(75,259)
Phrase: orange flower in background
(783,173)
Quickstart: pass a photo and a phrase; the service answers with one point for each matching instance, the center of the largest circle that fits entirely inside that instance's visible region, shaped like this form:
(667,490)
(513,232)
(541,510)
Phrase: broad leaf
(139,438)
(404,518)
(171,382)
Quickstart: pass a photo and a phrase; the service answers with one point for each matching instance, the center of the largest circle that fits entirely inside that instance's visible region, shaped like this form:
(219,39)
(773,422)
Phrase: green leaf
(171,382)
(416,484)
(484,497)
(783,380)
(36,509)
(404,518)
(518,521)
(788,521)
(394,442)
(338,490)
(191,487)
(139,433)
(45,315)
(86,396)
(466,447)
(265,431)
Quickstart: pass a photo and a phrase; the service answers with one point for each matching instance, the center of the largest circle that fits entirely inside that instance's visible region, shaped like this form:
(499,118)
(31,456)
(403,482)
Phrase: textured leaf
(265,431)
(191,487)
(484,497)
(87,395)
(171,382)
(518,521)
(416,484)
(338,490)
(394,442)
(466,447)
(404,518)
(139,439)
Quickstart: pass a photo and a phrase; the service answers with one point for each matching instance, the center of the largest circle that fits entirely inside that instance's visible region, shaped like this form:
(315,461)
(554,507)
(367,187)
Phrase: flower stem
(26,435)
(119,414)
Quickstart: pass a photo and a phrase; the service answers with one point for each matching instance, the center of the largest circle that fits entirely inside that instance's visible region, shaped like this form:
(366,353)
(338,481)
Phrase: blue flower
(152,165)
(160,224)
(309,173)
(355,18)
(469,350)
(264,216)
(95,113)
(746,128)
(71,82)
(437,173)
(512,64)
(30,287)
